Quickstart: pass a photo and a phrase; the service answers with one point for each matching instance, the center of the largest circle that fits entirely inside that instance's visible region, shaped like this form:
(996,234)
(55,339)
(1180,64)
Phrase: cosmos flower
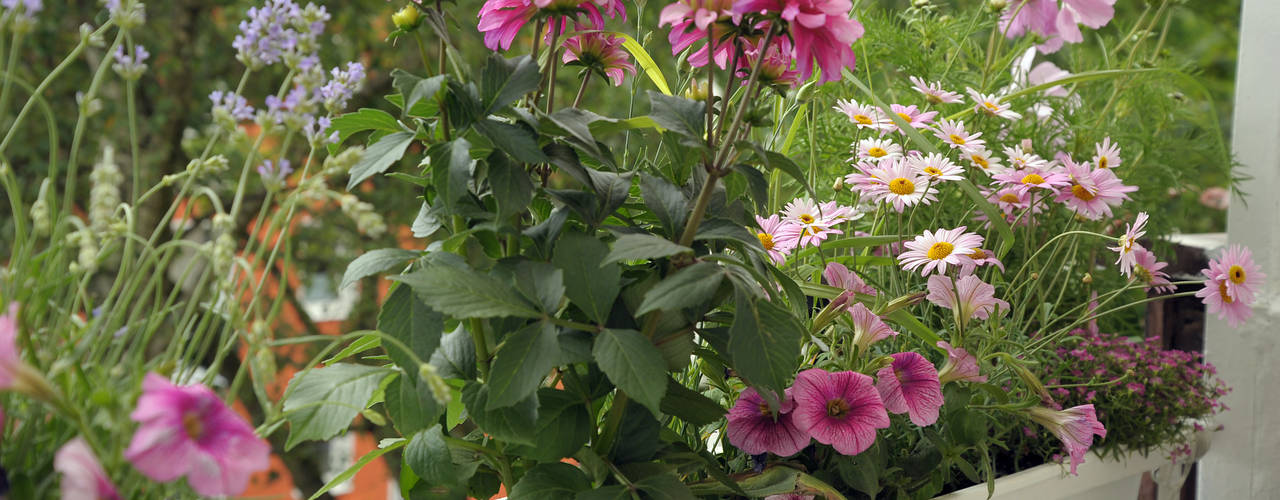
(1075,427)
(1128,242)
(1092,192)
(601,52)
(933,92)
(777,247)
(968,296)
(991,105)
(961,366)
(821,30)
(935,250)
(910,385)
(756,429)
(82,475)
(839,409)
(954,134)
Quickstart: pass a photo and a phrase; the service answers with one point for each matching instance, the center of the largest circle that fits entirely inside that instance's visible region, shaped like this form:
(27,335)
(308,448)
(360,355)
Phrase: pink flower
(1092,13)
(864,115)
(933,92)
(969,296)
(1074,426)
(839,276)
(910,385)
(960,365)
(601,52)
(991,105)
(789,496)
(808,223)
(775,70)
(978,258)
(937,249)
(1148,270)
(1128,242)
(937,167)
(773,240)
(1107,155)
(1057,26)
(10,363)
(1242,274)
(1034,16)
(756,429)
(821,30)
(1028,179)
(501,20)
(897,182)
(82,475)
(1093,192)
(839,409)
(690,22)
(913,116)
(954,134)
(188,431)
(1215,197)
(867,327)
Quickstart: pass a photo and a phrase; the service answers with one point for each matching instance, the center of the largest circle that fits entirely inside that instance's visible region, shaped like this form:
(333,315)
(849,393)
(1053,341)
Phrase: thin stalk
(582,89)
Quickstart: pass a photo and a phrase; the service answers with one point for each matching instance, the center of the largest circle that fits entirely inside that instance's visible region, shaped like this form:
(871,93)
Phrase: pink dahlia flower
(969,296)
(1128,242)
(839,409)
(188,431)
(821,29)
(910,385)
(601,52)
(935,250)
(775,70)
(773,240)
(960,365)
(82,476)
(1074,426)
(691,21)
(1093,192)
(868,328)
(501,20)
(756,429)
(839,276)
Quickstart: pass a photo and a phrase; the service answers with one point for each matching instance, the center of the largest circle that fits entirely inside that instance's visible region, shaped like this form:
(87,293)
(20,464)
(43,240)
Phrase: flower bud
(1087,279)
(407,18)
(439,388)
(919,3)
(696,91)
(806,92)
(839,184)
(997,5)
(41,216)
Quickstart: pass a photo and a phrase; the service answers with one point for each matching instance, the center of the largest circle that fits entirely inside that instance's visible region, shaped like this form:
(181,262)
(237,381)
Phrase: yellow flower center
(1082,192)
(806,218)
(905,117)
(1102,162)
(1222,291)
(862,119)
(932,171)
(982,162)
(933,99)
(877,152)
(902,186)
(978,253)
(1030,179)
(764,410)
(837,408)
(191,423)
(766,240)
(1009,198)
(1236,275)
(1143,274)
(957,139)
(991,107)
(940,250)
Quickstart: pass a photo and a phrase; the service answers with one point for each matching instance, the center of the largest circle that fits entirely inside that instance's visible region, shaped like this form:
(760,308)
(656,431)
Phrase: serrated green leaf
(502,80)
(380,156)
(690,406)
(764,342)
(684,288)
(515,139)
(323,401)
(686,117)
(357,346)
(411,405)
(363,120)
(666,201)
(554,481)
(428,456)
(451,169)
(514,424)
(634,365)
(374,262)
(521,362)
(642,246)
(408,319)
(512,188)
(588,284)
(414,89)
(665,487)
(464,293)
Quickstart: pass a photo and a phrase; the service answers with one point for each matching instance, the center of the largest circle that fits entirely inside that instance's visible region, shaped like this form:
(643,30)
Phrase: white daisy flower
(934,250)
(992,105)
(937,167)
(877,149)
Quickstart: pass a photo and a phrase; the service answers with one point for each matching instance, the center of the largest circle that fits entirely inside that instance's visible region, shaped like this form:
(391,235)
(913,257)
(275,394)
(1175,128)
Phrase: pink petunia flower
(756,429)
(961,366)
(821,30)
(773,239)
(601,52)
(933,92)
(1128,242)
(188,431)
(839,276)
(954,134)
(1149,271)
(969,296)
(82,476)
(1075,427)
(934,250)
(1092,192)
(839,409)
(910,385)
(867,327)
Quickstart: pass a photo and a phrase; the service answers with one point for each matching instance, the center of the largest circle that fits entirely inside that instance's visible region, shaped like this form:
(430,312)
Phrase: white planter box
(1099,479)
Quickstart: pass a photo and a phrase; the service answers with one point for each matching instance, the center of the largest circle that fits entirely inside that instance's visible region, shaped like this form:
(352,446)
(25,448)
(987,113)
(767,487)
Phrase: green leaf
(690,406)
(686,117)
(380,156)
(357,346)
(322,402)
(665,487)
(684,288)
(611,191)
(903,317)
(407,318)
(374,262)
(554,481)
(451,167)
(775,480)
(764,342)
(517,139)
(666,201)
(852,242)
(641,247)
(563,426)
(356,467)
(514,424)
(411,405)
(414,89)
(590,285)
(456,357)
(539,282)
(773,160)
(651,68)
(759,186)
(577,123)
(365,119)
(614,492)
(428,456)
(512,188)
(502,80)
(634,365)
(521,362)
(727,230)
(464,293)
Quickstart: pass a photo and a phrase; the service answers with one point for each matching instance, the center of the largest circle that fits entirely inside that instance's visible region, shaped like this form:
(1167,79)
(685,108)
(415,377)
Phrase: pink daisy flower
(991,105)
(969,297)
(979,257)
(1243,276)
(82,475)
(821,30)
(897,182)
(863,115)
(1022,158)
(807,223)
(912,115)
(867,327)
(775,70)
(961,366)
(1218,300)
(933,92)
(934,250)
(981,158)
(756,429)
(1092,192)
(1026,180)
(1106,154)
(876,149)
(839,276)
(188,431)
(601,52)
(773,239)
(938,167)
(839,409)
(1128,242)
(910,385)
(954,134)
(1074,426)
(1148,270)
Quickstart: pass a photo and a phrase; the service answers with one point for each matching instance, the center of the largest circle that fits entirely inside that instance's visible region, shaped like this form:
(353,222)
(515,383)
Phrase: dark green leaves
(686,287)
(512,188)
(554,481)
(588,284)
(374,262)
(523,359)
(634,365)
(517,140)
(380,156)
(666,201)
(515,424)
(642,246)
(408,319)
(677,114)
(428,457)
(414,89)
(365,119)
(451,167)
(322,402)
(689,405)
(764,342)
(411,404)
(464,293)
(502,80)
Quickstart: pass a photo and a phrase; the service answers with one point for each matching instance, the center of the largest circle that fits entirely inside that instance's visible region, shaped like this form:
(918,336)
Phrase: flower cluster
(501,20)
(280,31)
(1055,24)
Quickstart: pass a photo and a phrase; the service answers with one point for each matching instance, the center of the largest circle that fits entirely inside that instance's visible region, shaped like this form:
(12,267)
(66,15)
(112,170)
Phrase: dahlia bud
(407,18)
(696,91)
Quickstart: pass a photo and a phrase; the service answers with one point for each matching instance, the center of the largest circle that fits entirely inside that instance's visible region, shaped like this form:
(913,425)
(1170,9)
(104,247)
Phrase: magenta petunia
(188,431)
(969,296)
(82,475)
(960,365)
(910,385)
(1075,426)
(821,30)
(839,409)
(754,428)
